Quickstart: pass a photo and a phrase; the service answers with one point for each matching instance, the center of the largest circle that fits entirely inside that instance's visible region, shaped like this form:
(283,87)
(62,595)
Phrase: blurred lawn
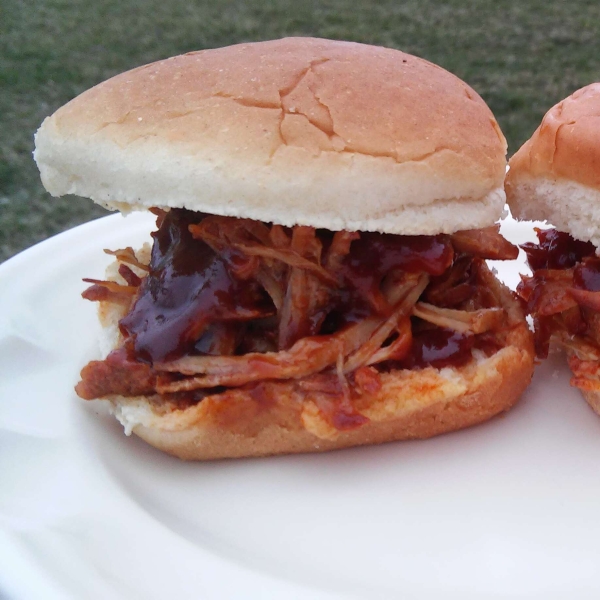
(521,56)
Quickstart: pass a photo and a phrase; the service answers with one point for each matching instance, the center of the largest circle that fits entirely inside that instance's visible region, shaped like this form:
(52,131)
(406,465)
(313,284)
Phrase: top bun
(555,175)
(294,131)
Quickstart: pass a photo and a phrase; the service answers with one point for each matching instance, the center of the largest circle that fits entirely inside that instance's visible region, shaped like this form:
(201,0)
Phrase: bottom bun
(593,399)
(437,402)
(280,419)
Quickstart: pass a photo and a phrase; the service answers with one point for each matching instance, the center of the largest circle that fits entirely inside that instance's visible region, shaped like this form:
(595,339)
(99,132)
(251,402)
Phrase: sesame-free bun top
(555,175)
(294,131)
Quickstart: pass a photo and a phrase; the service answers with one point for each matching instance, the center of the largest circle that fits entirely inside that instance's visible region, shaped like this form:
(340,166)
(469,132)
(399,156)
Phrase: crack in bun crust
(297,131)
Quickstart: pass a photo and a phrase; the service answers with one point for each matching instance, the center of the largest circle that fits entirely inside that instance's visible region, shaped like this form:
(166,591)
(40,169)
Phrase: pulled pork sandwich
(318,277)
(555,176)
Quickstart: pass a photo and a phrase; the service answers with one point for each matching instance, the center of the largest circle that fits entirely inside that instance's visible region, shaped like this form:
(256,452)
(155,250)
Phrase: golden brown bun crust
(566,145)
(295,131)
(410,404)
(593,399)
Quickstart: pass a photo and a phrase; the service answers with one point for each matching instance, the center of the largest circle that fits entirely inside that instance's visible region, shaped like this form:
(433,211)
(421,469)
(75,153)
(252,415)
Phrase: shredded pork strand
(127,255)
(109,291)
(398,348)
(278,237)
(363,355)
(581,348)
(455,286)
(272,285)
(113,286)
(477,321)
(236,239)
(548,292)
(339,248)
(305,295)
(307,356)
(342,377)
(289,257)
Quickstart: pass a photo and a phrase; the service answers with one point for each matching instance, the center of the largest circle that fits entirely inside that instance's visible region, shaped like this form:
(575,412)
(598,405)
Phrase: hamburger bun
(555,175)
(297,131)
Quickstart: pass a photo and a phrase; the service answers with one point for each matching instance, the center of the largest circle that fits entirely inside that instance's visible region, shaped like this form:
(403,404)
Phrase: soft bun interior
(295,131)
(567,205)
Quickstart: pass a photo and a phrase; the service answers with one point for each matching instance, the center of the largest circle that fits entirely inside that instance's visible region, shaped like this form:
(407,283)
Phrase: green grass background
(521,56)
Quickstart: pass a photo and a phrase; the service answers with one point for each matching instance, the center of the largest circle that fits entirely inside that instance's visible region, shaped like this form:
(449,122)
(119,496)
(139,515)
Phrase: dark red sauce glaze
(455,285)
(374,254)
(438,348)
(566,273)
(586,275)
(187,288)
(371,258)
(556,250)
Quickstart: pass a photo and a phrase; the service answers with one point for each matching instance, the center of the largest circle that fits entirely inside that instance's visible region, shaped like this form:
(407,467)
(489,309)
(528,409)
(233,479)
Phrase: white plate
(508,509)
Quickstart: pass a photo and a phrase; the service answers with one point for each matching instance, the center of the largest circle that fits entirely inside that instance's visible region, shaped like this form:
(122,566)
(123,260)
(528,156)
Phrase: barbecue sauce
(187,288)
(586,276)
(556,250)
(565,270)
(374,254)
(438,348)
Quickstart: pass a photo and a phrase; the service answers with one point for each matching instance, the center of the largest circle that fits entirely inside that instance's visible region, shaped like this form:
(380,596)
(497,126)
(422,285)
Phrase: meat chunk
(116,375)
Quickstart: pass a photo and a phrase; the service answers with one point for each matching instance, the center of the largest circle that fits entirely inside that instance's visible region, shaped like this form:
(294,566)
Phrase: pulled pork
(229,302)
(563,297)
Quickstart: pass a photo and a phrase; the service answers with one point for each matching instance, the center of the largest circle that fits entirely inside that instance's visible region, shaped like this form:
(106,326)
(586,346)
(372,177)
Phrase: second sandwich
(555,177)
